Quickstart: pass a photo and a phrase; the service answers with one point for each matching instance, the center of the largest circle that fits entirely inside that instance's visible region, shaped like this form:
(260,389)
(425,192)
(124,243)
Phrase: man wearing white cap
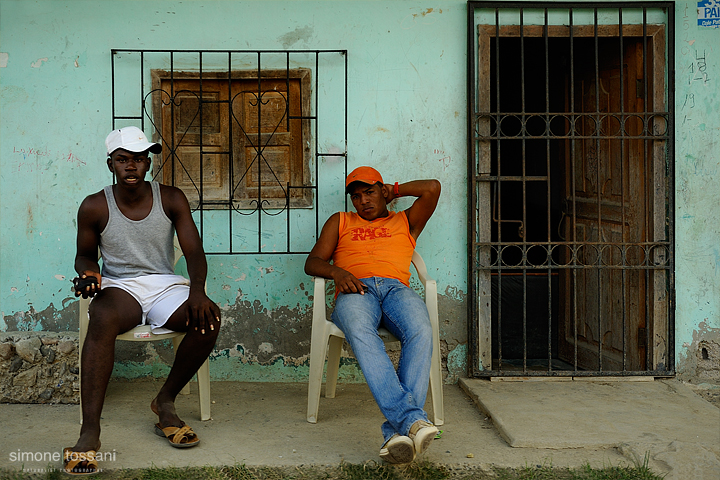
(371,251)
(133,223)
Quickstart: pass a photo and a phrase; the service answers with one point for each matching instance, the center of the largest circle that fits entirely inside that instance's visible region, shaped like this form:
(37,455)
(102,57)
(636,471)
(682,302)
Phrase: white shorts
(158,295)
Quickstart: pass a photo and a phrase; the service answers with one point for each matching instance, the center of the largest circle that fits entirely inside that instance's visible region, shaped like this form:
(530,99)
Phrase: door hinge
(642,337)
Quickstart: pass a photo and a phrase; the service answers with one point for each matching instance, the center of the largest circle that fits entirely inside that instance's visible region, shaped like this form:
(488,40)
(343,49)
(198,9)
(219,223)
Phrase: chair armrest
(430,290)
(83,320)
(178,251)
(421,269)
(319,292)
(319,315)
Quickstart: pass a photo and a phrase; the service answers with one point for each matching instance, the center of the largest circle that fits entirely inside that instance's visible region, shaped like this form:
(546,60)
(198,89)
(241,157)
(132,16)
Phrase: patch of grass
(538,472)
(423,470)
(349,471)
(49,473)
(586,472)
(179,473)
(620,472)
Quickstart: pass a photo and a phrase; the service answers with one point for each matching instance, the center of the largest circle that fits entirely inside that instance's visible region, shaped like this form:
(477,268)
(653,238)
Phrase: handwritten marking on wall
(686,29)
(26,152)
(688,105)
(38,62)
(31,157)
(698,68)
(445,160)
(72,158)
(696,72)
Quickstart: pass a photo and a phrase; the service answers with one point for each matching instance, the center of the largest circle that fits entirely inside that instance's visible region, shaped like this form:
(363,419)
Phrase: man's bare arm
(427,193)
(318,261)
(88,240)
(202,312)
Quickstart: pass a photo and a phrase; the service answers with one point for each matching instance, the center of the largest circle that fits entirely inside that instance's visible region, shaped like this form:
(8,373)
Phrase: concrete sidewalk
(263,424)
(663,419)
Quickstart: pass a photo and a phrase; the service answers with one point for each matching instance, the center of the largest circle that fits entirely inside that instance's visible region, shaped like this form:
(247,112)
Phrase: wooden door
(603,306)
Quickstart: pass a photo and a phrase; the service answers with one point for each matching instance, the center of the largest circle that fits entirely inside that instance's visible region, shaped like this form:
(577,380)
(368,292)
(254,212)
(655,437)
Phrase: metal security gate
(571,188)
(255,138)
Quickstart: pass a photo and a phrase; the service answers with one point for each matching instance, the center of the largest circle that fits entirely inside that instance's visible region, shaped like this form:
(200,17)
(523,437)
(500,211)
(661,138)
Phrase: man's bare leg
(112,312)
(190,355)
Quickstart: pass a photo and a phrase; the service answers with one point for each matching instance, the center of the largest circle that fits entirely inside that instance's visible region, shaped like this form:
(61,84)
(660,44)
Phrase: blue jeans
(390,304)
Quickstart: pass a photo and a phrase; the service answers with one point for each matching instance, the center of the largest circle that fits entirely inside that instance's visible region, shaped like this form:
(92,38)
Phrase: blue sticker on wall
(709,13)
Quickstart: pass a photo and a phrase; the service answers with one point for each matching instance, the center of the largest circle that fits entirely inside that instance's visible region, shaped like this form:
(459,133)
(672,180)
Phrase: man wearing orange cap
(371,252)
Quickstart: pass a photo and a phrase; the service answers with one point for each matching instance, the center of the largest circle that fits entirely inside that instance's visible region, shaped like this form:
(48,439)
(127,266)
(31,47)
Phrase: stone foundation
(39,367)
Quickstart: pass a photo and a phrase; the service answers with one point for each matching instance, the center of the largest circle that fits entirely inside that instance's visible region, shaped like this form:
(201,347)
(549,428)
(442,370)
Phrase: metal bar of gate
(579,265)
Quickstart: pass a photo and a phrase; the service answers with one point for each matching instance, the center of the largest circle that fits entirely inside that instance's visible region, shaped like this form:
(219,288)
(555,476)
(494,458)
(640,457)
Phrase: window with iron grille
(251,131)
(247,135)
(570,141)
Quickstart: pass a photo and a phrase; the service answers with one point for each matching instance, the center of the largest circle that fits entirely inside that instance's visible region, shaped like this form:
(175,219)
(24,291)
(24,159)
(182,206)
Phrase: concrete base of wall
(39,367)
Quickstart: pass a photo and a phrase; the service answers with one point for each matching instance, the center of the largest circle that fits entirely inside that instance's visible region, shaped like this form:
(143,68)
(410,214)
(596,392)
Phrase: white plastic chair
(143,333)
(327,339)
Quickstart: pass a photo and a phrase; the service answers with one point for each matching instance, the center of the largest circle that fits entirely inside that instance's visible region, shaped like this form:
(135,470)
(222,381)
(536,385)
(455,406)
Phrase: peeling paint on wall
(48,320)
(259,345)
(38,62)
(457,363)
(700,359)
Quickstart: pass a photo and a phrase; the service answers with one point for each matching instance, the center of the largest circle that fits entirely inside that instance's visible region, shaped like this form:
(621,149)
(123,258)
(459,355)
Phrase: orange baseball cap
(365,175)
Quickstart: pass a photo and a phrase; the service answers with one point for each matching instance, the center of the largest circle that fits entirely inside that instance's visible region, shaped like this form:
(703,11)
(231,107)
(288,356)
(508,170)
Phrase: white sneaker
(422,434)
(398,449)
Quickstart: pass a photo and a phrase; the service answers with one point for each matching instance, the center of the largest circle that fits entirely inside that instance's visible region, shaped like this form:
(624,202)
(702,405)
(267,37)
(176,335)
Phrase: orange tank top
(381,248)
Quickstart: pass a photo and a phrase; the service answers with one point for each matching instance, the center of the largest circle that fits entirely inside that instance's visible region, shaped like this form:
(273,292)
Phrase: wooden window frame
(240,186)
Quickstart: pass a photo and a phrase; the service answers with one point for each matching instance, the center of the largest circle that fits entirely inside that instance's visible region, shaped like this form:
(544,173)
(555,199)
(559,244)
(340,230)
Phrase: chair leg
(436,385)
(333,365)
(318,349)
(436,388)
(203,376)
(83,306)
(176,343)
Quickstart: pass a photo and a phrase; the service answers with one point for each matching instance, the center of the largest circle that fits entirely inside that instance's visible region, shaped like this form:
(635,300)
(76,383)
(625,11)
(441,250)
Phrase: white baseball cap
(131,139)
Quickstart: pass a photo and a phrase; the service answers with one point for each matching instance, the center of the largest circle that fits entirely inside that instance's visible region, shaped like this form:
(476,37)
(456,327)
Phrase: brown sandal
(178,437)
(72,462)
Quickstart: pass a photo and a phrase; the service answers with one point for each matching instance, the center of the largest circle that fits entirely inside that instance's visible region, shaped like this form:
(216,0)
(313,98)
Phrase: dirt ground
(707,391)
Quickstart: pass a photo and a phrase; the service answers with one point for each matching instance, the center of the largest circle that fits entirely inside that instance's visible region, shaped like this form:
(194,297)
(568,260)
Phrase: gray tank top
(131,248)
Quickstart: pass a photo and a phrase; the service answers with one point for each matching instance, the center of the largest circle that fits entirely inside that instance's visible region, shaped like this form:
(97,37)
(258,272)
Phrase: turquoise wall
(406,94)
(406,115)
(697,183)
